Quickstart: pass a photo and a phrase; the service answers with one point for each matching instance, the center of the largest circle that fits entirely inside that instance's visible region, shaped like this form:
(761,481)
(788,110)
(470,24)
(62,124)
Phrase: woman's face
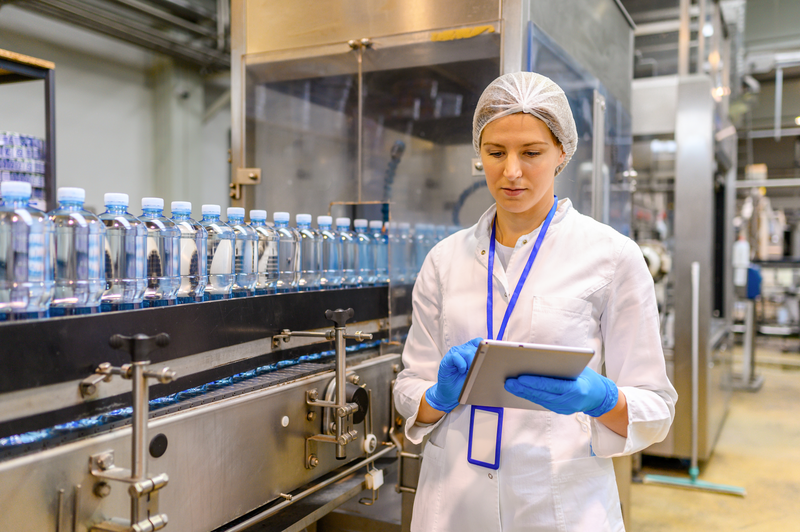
(520,157)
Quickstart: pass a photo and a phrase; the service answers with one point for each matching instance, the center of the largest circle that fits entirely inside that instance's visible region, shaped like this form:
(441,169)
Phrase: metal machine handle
(693,469)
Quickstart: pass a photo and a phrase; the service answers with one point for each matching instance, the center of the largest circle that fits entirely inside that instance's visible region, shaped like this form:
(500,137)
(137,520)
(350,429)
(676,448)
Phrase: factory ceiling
(195,31)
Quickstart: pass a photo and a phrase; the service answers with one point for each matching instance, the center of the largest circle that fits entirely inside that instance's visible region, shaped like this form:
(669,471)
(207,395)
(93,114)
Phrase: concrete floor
(758,449)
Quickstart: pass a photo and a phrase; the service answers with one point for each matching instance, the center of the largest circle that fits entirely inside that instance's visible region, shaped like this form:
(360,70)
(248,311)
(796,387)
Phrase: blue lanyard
(522,279)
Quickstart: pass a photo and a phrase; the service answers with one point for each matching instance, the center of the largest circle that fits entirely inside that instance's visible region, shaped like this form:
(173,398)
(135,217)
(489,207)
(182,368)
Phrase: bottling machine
(268,412)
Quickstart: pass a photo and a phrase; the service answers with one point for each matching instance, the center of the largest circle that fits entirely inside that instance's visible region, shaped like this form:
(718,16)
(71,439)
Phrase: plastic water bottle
(331,274)
(423,241)
(219,256)
(349,252)
(366,253)
(288,253)
(78,242)
(193,251)
(26,267)
(407,246)
(162,254)
(380,243)
(267,263)
(245,255)
(397,264)
(125,244)
(310,254)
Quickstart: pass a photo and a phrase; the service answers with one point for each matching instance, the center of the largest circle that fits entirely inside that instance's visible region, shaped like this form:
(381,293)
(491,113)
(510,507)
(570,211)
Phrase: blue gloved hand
(590,393)
(443,395)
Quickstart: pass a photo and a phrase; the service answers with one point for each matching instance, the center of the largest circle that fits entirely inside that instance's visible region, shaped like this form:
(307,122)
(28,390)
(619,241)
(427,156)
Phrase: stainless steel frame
(689,100)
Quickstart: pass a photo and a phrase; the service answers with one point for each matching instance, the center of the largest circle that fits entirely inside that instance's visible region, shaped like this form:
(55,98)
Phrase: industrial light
(797,120)
(708,29)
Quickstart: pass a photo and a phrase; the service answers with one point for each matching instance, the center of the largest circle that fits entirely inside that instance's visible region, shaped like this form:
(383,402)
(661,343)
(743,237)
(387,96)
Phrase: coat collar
(483,229)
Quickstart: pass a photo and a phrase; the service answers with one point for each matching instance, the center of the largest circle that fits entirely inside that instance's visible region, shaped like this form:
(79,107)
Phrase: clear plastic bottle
(331,275)
(193,252)
(162,254)
(78,242)
(365,256)
(288,253)
(26,267)
(310,254)
(380,243)
(397,266)
(407,246)
(219,257)
(423,242)
(349,253)
(246,254)
(125,244)
(267,253)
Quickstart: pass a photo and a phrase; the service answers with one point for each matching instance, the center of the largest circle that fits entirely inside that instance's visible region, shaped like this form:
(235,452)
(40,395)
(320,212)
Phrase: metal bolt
(311,416)
(398,421)
(396,368)
(105,461)
(252,176)
(313,395)
(102,489)
(313,461)
(355,379)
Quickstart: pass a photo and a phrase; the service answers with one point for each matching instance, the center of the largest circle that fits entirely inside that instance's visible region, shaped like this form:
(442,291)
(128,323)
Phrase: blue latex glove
(443,395)
(590,393)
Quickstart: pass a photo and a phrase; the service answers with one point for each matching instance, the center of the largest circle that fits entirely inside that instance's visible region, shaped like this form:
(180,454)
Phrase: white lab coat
(589,287)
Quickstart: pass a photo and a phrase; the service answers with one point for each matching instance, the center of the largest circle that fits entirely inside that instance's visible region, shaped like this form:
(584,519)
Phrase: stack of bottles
(71,261)
(22,159)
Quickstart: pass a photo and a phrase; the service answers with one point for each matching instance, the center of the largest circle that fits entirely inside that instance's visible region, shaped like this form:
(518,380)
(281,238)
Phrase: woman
(588,286)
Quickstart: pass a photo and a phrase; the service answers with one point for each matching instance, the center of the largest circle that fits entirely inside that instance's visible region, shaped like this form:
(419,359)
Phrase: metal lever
(143,491)
(343,432)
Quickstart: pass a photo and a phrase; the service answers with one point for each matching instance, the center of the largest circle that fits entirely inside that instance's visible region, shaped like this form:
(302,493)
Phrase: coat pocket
(586,495)
(429,489)
(560,321)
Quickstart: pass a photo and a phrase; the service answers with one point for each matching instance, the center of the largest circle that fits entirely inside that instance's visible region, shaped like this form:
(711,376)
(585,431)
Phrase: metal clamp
(343,432)
(143,490)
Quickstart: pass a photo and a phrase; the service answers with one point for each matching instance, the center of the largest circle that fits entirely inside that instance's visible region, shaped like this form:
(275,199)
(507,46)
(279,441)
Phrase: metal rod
(780,182)
(241,527)
(75,506)
(172,19)
(359,167)
(58,510)
(778,101)
(599,190)
(140,393)
(684,36)
(749,336)
(701,37)
(693,471)
(50,139)
(341,389)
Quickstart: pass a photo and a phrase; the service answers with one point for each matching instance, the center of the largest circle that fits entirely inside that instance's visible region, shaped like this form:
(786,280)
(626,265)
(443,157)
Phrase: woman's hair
(527,92)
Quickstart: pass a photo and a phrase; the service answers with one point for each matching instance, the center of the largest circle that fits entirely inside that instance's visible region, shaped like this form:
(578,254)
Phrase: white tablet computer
(495,361)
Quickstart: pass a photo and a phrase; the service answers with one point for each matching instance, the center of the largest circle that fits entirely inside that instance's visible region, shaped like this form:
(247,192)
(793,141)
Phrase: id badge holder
(485,431)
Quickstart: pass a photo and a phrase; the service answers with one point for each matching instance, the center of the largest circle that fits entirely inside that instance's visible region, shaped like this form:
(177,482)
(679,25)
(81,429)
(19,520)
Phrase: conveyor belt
(238,384)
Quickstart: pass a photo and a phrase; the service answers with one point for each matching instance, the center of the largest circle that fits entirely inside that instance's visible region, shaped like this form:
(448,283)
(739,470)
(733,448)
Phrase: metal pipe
(599,188)
(778,101)
(684,36)
(241,527)
(359,167)
(167,17)
(341,390)
(693,470)
(701,37)
(140,402)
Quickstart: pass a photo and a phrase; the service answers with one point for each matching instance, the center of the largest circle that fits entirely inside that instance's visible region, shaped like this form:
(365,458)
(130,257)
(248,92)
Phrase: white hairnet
(527,92)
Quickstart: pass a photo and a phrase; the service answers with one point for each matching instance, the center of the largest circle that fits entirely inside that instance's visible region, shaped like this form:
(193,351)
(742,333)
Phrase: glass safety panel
(546,57)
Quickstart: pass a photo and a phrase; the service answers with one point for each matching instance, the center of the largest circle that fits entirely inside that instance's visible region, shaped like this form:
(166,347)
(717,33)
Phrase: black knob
(139,346)
(339,316)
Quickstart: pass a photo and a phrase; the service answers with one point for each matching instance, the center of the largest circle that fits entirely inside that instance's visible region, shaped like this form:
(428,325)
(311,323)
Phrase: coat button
(483,252)
(524,241)
(490,475)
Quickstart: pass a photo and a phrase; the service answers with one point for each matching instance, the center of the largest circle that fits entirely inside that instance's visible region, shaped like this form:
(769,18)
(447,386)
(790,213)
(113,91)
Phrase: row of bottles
(71,261)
